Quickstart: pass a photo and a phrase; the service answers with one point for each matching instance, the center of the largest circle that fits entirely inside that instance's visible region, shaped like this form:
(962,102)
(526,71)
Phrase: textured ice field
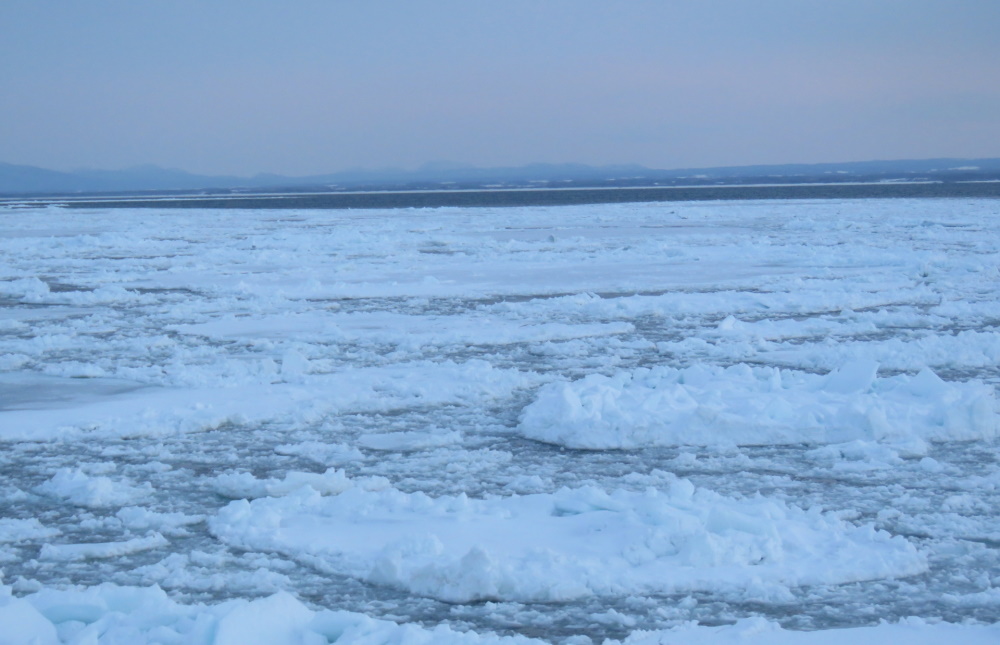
(728,422)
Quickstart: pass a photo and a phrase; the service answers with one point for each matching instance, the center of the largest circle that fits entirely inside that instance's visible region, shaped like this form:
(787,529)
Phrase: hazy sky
(247,86)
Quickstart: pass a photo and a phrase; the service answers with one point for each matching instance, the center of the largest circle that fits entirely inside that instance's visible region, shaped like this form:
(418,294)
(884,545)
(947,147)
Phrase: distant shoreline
(512,197)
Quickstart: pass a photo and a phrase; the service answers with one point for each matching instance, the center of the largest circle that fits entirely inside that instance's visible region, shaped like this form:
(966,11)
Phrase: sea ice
(203,404)
(92,550)
(15,530)
(581,542)
(743,405)
(333,481)
(108,614)
(169,377)
(92,491)
(758,631)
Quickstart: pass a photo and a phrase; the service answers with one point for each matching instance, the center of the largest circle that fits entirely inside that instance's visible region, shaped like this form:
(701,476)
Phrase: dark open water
(523,197)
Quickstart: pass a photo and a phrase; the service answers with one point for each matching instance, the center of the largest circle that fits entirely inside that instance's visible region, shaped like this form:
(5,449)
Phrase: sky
(249,86)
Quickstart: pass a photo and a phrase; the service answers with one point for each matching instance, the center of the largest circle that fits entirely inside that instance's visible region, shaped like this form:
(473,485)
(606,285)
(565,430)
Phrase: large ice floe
(743,405)
(581,542)
(206,403)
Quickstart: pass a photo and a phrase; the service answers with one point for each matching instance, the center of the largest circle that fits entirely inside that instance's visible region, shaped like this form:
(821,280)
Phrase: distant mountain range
(31,180)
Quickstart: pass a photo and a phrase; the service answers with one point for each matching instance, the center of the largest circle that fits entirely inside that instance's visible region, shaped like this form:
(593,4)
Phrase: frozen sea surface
(553,422)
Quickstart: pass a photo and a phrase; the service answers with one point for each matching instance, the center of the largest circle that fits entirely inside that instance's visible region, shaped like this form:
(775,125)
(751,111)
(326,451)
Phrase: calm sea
(522,197)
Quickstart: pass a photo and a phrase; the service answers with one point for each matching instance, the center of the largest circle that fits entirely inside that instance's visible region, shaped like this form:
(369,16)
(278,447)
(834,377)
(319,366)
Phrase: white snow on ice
(581,542)
(705,405)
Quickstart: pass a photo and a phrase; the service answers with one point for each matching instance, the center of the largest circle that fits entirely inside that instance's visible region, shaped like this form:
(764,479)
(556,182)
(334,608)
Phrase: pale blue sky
(303,87)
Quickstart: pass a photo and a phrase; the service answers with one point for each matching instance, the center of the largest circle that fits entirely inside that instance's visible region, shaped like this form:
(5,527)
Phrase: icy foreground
(739,422)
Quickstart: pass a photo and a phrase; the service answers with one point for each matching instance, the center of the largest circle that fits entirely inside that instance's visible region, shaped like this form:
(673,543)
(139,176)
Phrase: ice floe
(92,491)
(17,530)
(92,550)
(203,404)
(581,542)
(744,405)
